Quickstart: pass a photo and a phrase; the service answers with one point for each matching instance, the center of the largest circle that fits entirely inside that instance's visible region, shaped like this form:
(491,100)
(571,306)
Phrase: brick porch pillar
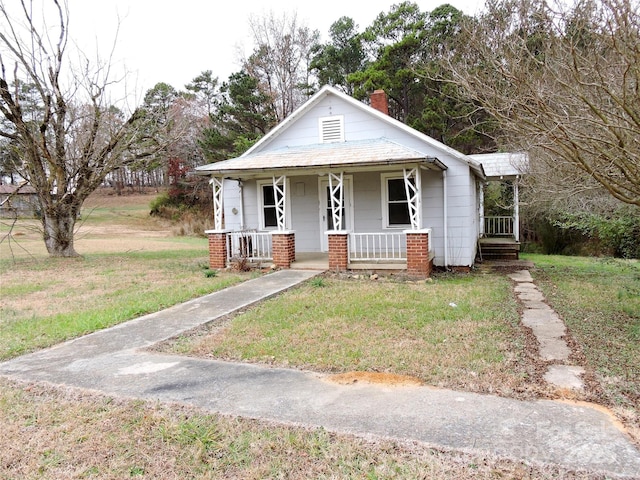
(217,248)
(284,248)
(419,262)
(338,250)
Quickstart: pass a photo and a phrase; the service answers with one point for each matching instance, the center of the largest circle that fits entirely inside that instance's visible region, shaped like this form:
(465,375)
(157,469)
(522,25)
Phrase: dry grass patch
(456,332)
(51,433)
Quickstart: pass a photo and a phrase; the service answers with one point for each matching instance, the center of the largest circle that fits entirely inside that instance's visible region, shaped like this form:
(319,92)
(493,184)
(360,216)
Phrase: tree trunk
(59,224)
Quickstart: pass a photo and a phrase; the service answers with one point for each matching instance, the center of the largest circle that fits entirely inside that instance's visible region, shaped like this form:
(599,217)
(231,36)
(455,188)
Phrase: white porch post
(217,184)
(414,197)
(481,186)
(280,195)
(516,210)
(336,192)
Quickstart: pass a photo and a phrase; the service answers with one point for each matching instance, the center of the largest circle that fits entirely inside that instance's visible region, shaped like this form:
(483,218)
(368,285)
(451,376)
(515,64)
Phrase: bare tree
(74,138)
(281,60)
(563,83)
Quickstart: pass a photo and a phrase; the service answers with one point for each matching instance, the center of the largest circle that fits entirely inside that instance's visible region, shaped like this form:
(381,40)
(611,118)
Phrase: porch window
(267,202)
(395,202)
(269,215)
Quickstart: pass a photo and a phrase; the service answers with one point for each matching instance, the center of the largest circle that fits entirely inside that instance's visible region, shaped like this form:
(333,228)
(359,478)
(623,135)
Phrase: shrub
(618,232)
(159,203)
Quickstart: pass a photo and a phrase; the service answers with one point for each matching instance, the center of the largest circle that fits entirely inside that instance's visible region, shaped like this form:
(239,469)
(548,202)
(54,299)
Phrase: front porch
(410,250)
(499,238)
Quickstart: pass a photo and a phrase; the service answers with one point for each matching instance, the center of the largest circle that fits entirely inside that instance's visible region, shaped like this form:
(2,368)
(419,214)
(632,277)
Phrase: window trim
(259,186)
(384,183)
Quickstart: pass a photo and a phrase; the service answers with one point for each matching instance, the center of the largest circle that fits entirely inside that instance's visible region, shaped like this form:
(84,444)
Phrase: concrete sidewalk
(113,361)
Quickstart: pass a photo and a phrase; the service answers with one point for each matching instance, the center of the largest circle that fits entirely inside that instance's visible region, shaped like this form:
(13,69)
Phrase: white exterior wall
(232,205)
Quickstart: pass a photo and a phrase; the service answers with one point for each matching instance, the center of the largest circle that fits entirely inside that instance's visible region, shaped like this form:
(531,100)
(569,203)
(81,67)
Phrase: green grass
(48,301)
(455,331)
(599,300)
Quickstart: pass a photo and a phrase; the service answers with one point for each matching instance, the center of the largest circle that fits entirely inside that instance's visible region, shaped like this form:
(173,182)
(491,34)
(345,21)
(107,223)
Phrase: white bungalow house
(348,184)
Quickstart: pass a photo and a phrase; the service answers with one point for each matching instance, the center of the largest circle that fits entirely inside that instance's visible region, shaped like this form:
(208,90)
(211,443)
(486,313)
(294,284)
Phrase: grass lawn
(49,300)
(459,331)
(131,265)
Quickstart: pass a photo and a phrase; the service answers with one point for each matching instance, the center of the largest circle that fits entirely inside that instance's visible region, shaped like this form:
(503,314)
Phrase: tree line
(559,82)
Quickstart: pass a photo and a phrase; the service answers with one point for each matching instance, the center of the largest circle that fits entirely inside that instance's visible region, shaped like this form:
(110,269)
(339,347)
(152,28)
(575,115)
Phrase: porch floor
(320,261)
(311,261)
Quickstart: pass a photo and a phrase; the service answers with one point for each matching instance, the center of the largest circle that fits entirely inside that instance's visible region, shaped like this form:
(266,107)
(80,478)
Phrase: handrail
(378,246)
(250,244)
(498,226)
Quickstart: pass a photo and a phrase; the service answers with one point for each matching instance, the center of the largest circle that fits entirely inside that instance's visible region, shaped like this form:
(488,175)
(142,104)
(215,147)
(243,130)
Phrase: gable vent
(332,129)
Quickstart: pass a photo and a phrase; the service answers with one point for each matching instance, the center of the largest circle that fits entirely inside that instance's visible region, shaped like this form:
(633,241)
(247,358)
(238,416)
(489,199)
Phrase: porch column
(217,248)
(413,189)
(283,248)
(516,210)
(336,194)
(481,186)
(419,261)
(338,249)
(217,185)
(280,196)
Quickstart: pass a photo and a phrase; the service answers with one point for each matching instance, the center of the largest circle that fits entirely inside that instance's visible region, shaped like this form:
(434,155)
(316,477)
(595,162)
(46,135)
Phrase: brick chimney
(379,101)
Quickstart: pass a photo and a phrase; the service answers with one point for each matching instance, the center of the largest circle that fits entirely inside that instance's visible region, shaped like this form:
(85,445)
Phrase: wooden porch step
(498,249)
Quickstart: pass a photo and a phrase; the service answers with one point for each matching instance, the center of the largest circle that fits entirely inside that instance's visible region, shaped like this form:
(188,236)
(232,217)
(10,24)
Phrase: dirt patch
(383,378)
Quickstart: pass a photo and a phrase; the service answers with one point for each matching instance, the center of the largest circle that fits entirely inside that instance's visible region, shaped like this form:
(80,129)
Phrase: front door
(326,218)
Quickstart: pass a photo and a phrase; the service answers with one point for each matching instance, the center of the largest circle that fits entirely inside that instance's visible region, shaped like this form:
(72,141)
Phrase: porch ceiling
(367,153)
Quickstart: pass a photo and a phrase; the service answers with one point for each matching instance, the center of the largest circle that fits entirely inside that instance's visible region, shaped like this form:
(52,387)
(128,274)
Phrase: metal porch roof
(363,153)
(503,164)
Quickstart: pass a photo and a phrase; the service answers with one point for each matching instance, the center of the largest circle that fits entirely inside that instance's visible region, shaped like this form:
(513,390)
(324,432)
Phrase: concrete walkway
(113,361)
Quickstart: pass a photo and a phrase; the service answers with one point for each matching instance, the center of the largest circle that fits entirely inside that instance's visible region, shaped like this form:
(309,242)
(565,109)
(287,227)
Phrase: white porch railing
(252,245)
(498,226)
(378,246)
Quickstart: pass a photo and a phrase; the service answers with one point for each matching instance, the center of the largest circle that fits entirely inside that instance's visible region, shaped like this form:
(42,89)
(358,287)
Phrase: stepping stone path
(549,330)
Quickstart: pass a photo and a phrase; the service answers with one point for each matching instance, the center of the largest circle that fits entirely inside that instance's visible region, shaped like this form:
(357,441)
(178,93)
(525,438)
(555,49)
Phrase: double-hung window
(395,203)
(267,201)
(269,215)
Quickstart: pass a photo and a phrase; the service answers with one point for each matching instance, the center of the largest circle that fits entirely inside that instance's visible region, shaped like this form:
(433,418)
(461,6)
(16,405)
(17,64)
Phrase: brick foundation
(338,251)
(284,248)
(217,249)
(418,261)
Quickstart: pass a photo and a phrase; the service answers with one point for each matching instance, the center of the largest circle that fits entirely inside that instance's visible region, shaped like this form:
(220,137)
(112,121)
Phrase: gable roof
(257,152)
(503,164)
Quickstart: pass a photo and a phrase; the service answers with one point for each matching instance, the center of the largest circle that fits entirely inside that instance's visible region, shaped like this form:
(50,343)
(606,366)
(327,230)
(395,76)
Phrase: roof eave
(431,161)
